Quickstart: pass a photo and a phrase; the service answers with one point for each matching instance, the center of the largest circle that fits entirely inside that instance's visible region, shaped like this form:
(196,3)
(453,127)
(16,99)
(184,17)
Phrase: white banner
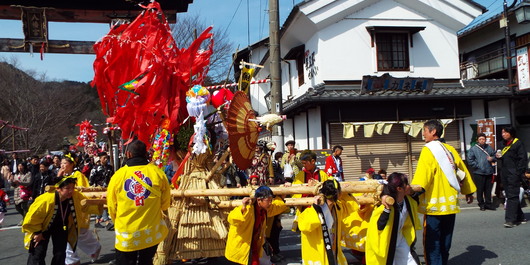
(523,69)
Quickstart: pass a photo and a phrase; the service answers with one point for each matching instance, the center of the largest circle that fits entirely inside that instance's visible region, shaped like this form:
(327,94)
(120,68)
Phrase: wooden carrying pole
(306,201)
(346,187)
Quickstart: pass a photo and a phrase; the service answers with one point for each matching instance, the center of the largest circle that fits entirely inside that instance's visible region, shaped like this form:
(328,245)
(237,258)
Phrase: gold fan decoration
(242,132)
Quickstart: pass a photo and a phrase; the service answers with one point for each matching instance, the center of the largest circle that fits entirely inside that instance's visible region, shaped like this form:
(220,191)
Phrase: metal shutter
(394,152)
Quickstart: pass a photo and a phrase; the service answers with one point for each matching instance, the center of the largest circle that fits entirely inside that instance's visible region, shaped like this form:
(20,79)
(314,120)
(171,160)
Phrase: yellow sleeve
(165,190)
(468,186)
(349,207)
(236,217)
(112,192)
(278,207)
(308,220)
(425,169)
(377,240)
(82,181)
(36,215)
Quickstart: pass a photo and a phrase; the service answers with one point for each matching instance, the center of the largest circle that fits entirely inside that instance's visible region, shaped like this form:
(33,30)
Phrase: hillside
(50,109)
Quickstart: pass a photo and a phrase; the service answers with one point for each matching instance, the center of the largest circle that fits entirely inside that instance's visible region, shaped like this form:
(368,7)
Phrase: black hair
(394,181)
(137,148)
(481,135)
(24,166)
(35,157)
(102,154)
(263,192)
(511,130)
(44,163)
(381,171)
(308,155)
(331,189)
(67,181)
(337,147)
(278,155)
(435,125)
(58,156)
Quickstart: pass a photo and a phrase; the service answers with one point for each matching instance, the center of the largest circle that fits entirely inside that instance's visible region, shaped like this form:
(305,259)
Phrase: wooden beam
(54,46)
(81,15)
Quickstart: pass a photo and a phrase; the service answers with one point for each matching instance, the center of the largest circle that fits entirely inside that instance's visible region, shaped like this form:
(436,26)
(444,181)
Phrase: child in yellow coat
(321,227)
(392,230)
(246,235)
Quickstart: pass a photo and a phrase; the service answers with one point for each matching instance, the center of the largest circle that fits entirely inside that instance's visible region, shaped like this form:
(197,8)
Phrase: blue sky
(220,14)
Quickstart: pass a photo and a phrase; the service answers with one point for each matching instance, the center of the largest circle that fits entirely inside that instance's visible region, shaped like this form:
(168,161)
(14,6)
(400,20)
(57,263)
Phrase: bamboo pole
(218,164)
(346,187)
(306,201)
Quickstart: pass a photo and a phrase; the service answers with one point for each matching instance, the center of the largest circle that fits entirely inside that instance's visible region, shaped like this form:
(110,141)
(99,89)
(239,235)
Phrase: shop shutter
(387,151)
(394,152)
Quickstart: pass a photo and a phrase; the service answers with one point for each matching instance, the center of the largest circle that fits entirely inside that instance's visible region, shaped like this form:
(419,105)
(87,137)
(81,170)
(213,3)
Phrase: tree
(49,109)
(188,28)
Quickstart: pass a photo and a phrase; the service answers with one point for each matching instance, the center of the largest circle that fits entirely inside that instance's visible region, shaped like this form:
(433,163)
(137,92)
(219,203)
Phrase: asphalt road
(479,239)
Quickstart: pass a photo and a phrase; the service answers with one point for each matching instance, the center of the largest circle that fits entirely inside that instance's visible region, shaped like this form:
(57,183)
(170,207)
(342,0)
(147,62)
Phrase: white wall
(315,129)
(300,131)
(288,132)
(345,51)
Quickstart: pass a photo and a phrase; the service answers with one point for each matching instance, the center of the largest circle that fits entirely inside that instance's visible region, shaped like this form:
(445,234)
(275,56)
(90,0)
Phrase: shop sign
(523,69)
(487,127)
(386,82)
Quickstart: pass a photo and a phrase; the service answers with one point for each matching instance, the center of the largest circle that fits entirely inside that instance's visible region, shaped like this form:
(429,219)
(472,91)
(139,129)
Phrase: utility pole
(507,44)
(275,60)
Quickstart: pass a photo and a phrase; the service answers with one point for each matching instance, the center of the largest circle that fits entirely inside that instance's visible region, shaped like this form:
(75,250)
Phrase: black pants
(274,238)
(512,185)
(22,208)
(139,257)
(484,186)
(59,238)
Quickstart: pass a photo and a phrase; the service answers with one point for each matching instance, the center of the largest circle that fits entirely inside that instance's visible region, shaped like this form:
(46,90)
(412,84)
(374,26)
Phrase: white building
(328,47)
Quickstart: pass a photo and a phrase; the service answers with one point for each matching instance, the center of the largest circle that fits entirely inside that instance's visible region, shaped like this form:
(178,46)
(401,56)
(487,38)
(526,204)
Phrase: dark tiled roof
(470,89)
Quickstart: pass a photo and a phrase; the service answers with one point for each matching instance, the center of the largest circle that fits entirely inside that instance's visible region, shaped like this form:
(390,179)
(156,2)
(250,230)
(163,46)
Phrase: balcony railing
(486,64)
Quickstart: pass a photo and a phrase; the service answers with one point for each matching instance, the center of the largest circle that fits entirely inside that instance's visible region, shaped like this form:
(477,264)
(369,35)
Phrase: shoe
(491,208)
(523,221)
(482,208)
(110,227)
(20,223)
(112,262)
(99,225)
(275,259)
(509,225)
(95,256)
(279,256)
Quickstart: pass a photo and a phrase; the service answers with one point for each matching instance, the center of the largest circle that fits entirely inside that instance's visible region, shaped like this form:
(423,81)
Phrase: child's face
(254,181)
(265,203)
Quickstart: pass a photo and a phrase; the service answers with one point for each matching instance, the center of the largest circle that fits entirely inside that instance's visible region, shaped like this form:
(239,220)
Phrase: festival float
(152,90)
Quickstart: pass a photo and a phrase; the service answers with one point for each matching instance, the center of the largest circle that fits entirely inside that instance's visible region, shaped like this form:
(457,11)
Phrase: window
(392,51)
(297,54)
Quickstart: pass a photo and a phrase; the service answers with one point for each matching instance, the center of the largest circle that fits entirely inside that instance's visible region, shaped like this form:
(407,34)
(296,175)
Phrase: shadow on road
(475,255)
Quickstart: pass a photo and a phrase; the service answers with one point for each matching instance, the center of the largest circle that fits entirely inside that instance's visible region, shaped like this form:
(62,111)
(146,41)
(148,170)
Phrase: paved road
(479,239)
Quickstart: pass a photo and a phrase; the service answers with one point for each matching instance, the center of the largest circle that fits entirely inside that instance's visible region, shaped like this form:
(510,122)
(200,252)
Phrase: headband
(65,178)
(69,156)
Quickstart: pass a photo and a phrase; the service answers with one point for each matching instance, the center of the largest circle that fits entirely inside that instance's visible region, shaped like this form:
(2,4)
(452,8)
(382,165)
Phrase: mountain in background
(49,109)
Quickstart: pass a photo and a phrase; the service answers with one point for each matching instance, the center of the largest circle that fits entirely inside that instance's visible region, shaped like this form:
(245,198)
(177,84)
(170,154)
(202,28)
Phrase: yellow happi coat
(378,241)
(356,226)
(241,231)
(313,248)
(439,197)
(40,215)
(137,213)
(81,179)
